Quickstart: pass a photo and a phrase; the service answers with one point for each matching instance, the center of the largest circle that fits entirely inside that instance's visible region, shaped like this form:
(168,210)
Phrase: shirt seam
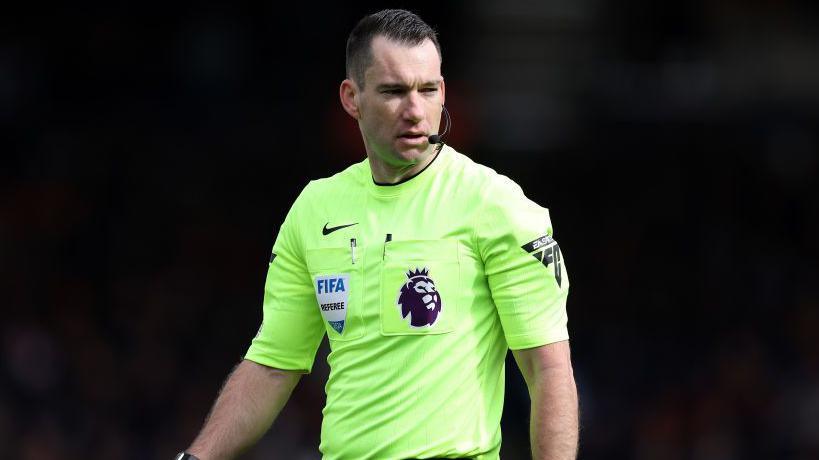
(478,219)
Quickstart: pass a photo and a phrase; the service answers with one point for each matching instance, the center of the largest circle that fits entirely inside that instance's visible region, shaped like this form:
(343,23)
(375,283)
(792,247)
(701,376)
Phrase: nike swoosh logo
(327,231)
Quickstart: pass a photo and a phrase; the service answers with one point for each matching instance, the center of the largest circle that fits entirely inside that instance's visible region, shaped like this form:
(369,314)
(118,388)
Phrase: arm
(554,421)
(248,403)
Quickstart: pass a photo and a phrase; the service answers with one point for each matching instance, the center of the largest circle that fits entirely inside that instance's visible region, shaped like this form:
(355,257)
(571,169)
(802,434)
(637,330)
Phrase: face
(400,104)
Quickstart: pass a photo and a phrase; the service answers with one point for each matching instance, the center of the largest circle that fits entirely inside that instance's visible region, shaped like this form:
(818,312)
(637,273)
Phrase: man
(423,269)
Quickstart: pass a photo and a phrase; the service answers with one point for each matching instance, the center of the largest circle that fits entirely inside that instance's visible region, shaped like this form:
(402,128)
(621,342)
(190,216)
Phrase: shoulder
(503,211)
(492,186)
(342,182)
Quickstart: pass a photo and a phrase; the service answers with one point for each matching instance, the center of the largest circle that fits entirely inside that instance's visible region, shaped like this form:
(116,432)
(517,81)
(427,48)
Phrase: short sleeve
(524,267)
(292,327)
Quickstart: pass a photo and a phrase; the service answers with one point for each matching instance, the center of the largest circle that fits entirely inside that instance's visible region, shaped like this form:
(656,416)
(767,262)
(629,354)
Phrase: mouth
(413,138)
(412,135)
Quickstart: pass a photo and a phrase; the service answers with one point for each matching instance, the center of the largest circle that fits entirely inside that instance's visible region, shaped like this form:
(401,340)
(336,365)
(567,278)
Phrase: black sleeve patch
(272,256)
(544,240)
(546,250)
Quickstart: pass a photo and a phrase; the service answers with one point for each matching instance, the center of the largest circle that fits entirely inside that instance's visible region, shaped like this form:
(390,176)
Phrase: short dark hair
(400,26)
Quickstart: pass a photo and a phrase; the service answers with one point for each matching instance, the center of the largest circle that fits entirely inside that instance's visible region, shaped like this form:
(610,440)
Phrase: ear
(347,92)
(443,92)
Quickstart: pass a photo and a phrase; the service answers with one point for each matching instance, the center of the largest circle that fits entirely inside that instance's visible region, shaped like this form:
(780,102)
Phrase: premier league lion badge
(419,298)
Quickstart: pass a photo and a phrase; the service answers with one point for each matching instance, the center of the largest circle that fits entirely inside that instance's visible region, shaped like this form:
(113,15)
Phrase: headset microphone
(439,138)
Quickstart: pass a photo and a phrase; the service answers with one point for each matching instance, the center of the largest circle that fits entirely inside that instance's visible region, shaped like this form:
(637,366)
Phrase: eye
(393,91)
(429,90)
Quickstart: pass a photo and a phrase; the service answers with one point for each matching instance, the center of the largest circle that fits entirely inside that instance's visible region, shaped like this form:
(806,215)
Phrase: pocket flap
(328,259)
(422,250)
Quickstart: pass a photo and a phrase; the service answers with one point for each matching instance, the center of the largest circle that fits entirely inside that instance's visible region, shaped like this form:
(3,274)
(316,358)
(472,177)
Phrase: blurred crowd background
(150,151)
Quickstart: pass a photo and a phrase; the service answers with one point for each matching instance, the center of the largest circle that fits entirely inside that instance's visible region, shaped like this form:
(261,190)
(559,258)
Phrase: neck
(385,173)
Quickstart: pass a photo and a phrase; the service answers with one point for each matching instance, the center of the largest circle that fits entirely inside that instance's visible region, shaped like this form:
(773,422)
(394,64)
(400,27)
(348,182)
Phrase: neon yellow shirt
(421,288)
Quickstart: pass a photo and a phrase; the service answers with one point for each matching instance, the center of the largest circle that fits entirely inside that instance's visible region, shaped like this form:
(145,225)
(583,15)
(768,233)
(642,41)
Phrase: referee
(423,268)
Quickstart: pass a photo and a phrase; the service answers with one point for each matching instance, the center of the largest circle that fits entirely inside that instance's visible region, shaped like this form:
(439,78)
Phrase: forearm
(248,403)
(554,419)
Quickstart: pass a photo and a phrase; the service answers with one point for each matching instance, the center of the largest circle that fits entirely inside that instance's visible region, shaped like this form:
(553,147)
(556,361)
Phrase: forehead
(399,63)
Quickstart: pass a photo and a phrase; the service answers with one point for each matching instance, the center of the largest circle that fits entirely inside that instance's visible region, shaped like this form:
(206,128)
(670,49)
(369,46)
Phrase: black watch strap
(185,456)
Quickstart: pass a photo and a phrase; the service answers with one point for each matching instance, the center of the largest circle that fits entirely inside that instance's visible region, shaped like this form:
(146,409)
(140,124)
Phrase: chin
(414,154)
(411,155)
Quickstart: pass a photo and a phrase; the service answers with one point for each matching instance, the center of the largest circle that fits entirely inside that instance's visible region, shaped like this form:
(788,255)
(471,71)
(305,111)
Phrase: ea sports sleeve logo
(419,298)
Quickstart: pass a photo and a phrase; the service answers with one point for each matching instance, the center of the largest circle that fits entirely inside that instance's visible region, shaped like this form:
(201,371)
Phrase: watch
(185,456)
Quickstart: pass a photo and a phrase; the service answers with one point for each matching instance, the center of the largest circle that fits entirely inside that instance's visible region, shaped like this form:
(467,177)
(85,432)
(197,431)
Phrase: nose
(414,107)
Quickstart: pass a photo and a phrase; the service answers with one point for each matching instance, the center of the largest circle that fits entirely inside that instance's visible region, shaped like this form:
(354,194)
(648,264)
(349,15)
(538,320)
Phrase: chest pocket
(420,286)
(337,284)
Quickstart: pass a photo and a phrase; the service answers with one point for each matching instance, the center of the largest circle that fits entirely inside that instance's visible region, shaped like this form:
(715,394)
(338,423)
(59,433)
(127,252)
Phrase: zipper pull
(352,250)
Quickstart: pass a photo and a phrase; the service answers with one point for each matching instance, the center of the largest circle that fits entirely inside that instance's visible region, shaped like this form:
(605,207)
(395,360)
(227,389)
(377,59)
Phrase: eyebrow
(425,84)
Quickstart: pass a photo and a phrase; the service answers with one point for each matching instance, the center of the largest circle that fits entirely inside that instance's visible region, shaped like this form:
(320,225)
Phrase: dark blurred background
(150,151)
